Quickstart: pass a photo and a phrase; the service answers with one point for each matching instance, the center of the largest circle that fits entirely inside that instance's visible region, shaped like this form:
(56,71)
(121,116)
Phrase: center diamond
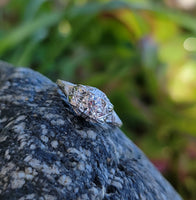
(91,102)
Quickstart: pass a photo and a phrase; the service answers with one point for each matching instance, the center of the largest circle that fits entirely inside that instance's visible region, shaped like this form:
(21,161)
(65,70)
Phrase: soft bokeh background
(141,53)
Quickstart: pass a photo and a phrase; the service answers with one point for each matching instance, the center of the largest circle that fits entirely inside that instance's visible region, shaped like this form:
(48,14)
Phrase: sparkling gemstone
(91,102)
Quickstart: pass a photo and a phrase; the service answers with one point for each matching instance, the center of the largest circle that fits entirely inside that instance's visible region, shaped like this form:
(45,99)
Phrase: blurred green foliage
(141,53)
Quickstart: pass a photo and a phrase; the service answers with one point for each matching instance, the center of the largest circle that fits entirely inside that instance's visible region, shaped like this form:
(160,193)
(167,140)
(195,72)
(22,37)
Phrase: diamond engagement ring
(90,103)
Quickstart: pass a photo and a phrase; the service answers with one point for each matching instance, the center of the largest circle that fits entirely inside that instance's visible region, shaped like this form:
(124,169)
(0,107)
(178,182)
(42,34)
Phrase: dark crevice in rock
(111,189)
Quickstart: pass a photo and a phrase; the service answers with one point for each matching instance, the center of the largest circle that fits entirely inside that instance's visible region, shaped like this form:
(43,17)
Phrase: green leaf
(185,20)
(24,31)
(32,9)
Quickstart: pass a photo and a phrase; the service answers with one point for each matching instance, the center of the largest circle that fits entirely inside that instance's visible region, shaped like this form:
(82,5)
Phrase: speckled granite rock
(48,153)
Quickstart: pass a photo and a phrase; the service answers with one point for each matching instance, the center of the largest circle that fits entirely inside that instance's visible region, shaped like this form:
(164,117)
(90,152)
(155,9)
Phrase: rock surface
(48,153)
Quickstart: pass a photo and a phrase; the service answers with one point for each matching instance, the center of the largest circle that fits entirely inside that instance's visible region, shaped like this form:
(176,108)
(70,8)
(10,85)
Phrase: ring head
(90,103)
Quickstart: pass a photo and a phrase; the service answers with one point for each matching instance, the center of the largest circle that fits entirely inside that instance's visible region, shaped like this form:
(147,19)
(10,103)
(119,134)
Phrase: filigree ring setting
(90,103)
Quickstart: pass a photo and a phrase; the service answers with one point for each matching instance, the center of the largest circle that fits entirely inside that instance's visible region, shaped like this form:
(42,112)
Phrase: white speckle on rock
(79,153)
(29,176)
(30,173)
(19,128)
(4,119)
(28,197)
(83,134)
(22,137)
(35,163)
(55,119)
(7,168)
(17,183)
(3,138)
(32,146)
(94,191)
(28,170)
(54,144)
(7,156)
(49,101)
(20,118)
(44,129)
(64,180)
(3,106)
(42,146)
(60,122)
(38,89)
(28,158)
(20,174)
(117,184)
(118,179)
(7,97)
(91,134)
(60,154)
(76,190)
(57,122)
(49,197)
(50,170)
(69,188)
(44,138)
(22,144)
(43,126)
(84,196)
(112,171)
(73,150)
(81,166)
(6,86)
(87,153)
(88,167)
(51,116)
